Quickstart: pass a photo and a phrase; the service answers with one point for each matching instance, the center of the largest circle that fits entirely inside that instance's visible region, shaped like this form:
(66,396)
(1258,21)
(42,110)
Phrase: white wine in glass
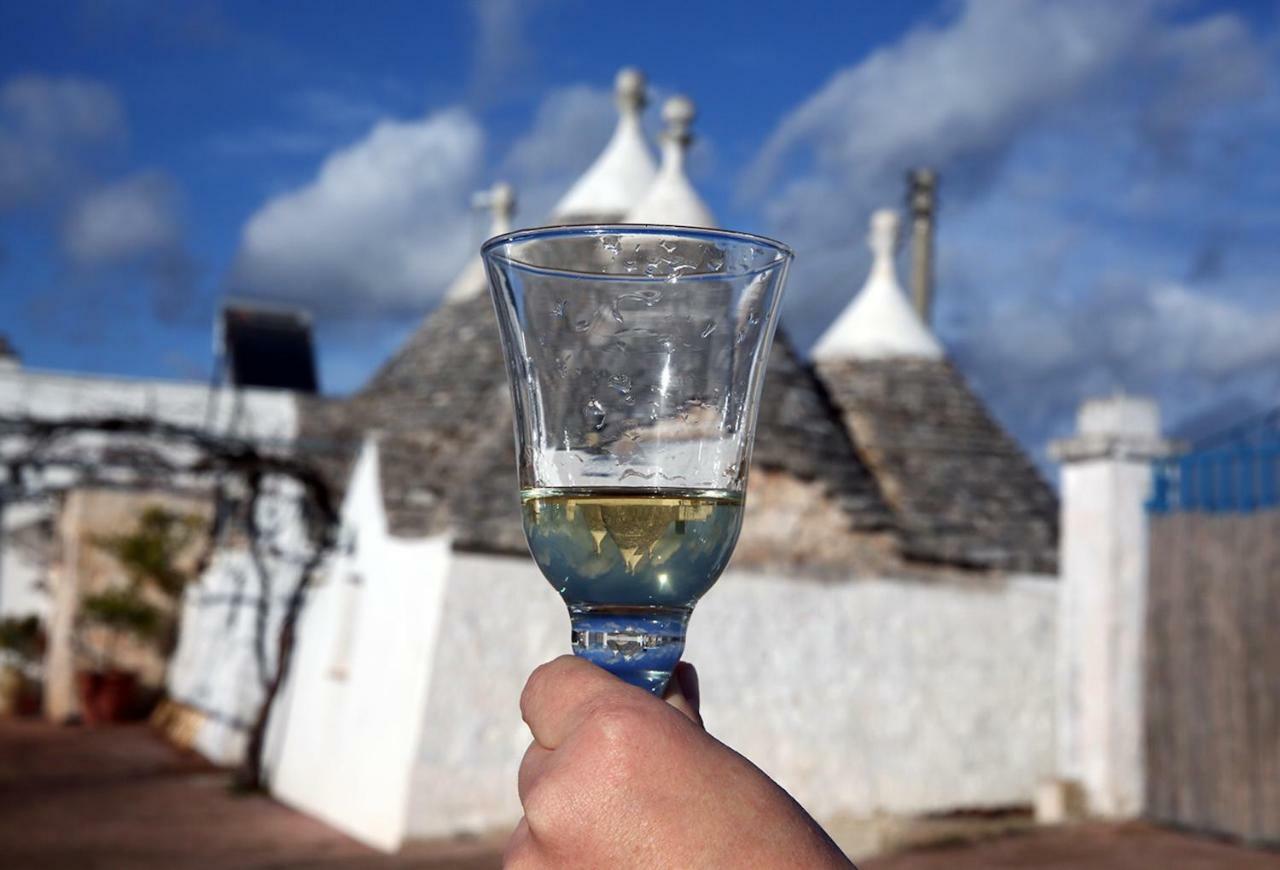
(636,356)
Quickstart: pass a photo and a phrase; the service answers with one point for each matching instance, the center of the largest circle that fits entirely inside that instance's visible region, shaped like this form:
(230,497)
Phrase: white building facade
(875,647)
(861,692)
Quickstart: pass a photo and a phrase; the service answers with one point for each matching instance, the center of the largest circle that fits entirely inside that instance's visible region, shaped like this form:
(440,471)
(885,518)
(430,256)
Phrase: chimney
(922,187)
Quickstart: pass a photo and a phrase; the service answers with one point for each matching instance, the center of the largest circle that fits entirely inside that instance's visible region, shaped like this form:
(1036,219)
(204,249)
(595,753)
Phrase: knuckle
(548,806)
(526,776)
(529,691)
(539,682)
(521,853)
(618,730)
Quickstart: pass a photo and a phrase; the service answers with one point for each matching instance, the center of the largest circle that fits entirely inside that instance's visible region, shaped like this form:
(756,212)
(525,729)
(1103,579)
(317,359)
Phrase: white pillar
(60,700)
(1106,478)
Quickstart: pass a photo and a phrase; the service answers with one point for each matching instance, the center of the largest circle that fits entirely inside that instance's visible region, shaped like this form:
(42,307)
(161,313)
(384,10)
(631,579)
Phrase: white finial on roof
(678,113)
(501,202)
(880,323)
(629,91)
(623,171)
(672,199)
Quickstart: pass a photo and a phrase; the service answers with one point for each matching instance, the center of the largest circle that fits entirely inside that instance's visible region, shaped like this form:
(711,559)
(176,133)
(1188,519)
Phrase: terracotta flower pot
(117,696)
(88,684)
(106,696)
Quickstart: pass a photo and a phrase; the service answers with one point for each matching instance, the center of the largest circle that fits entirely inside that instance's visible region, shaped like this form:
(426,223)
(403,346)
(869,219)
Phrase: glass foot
(638,644)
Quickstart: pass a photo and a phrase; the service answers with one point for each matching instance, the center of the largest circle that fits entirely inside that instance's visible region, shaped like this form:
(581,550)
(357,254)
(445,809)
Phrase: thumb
(683,692)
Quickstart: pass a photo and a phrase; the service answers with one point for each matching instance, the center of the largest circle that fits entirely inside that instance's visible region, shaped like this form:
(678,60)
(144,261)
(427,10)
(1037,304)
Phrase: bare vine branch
(146,453)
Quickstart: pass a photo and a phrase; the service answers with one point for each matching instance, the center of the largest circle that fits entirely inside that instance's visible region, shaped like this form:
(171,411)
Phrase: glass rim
(489,250)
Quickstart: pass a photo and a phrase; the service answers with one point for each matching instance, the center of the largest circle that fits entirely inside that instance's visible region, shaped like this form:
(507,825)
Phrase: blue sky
(1111,172)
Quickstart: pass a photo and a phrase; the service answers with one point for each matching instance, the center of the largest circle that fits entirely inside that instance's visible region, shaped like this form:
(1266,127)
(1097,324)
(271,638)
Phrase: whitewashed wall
(215,667)
(24,570)
(225,654)
(344,737)
(268,415)
(251,413)
(501,620)
(871,695)
(401,717)
(883,695)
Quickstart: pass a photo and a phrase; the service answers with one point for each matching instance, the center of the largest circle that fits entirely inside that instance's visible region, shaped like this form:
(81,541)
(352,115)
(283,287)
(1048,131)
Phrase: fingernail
(687,676)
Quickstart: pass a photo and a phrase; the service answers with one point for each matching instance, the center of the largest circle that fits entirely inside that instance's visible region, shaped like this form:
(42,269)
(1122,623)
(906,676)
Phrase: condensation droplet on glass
(667,246)
(612,244)
(561,307)
(650,269)
(708,328)
(753,317)
(621,383)
(677,271)
(594,412)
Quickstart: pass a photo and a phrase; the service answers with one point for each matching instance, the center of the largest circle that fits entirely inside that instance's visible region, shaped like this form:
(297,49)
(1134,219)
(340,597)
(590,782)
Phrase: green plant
(123,610)
(150,553)
(23,637)
(151,557)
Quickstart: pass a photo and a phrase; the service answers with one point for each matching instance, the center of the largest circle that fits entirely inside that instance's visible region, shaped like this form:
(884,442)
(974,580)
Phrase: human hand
(615,777)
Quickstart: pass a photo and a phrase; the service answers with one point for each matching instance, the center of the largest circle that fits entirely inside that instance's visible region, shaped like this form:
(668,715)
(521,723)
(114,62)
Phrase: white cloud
(52,133)
(381,229)
(1089,151)
(133,227)
(502,48)
(1192,350)
(61,147)
(133,218)
(53,109)
(310,122)
(571,126)
(961,91)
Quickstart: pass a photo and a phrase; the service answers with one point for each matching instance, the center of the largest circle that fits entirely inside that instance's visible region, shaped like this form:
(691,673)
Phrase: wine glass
(635,356)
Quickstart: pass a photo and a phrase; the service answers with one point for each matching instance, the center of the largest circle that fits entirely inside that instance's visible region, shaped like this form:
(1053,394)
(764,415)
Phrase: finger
(682,692)
(563,692)
(521,851)
(532,766)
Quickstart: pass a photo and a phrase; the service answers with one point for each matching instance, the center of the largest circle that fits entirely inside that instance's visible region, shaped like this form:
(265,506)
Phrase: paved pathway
(1133,846)
(120,798)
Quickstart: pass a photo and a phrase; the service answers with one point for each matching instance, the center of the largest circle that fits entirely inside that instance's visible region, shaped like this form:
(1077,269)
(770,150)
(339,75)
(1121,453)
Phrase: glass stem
(640,645)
